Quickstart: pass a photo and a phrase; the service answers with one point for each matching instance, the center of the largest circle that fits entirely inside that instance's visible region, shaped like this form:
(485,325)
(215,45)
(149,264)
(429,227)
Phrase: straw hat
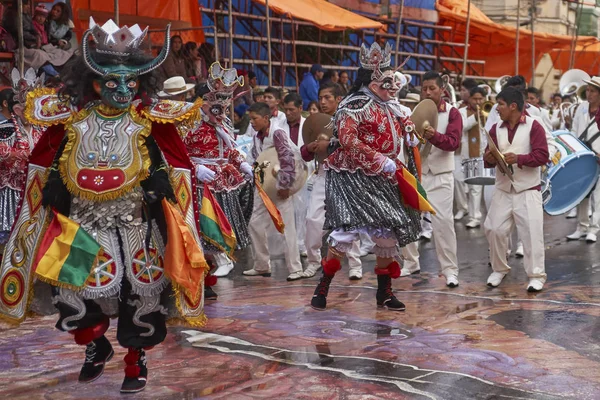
(411,98)
(174,86)
(595,81)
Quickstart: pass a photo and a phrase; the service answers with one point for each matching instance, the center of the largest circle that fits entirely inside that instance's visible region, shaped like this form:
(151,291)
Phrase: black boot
(209,293)
(319,299)
(136,372)
(97,353)
(385,296)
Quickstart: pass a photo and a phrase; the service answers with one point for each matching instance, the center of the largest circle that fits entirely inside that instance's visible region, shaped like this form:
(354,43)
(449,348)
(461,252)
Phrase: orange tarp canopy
(155,13)
(326,16)
(495,43)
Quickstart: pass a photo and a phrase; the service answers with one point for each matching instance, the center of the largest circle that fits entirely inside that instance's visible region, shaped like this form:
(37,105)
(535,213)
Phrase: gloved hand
(204,175)
(412,140)
(247,170)
(389,166)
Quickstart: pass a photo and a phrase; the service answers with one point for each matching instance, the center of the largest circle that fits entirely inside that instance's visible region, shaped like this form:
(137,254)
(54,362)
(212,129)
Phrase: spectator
(309,88)
(39,23)
(292,105)
(58,26)
(330,76)
(243,94)
(31,39)
(196,66)
(252,81)
(175,64)
(313,107)
(176,89)
(241,119)
(208,54)
(258,96)
(345,82)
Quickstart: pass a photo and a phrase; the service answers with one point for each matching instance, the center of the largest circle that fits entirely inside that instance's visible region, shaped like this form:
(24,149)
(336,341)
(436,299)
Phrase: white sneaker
(591,238)
(355,275)
(460,215)
(253,272)
(311,270)
(474,223)
(576,235)
(224,269)
(406,272)
(495,279)
(535,285)
(451,281)
(294,276)
(426,235)
(519,253)
(572,213)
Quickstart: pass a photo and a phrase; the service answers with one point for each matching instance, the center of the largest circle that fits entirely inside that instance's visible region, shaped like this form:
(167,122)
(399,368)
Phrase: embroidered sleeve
(235,158)
(360,154)
(287,173)
(170,111)
(43,107)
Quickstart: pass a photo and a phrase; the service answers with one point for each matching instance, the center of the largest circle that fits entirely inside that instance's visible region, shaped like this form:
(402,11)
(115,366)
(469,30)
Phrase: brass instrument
(447,86)
(474,136)
(501,82)
(571,81)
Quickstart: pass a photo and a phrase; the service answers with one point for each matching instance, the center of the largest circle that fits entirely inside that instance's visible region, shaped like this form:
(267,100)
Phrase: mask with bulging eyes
(385,86)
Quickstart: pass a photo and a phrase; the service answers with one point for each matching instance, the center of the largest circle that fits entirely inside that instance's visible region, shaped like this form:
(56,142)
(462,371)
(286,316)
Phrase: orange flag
(185,264)
(271,208)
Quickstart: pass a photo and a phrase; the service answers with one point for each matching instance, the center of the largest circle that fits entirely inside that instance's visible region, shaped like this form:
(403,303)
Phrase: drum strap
(584,133)
(589,143)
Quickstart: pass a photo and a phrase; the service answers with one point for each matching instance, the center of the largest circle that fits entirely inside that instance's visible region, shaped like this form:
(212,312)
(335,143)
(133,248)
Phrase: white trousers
(315,218)
(525,211)
(460,187)
(439,190)
(583,217)
(261,226)
(300,208)
(475,194)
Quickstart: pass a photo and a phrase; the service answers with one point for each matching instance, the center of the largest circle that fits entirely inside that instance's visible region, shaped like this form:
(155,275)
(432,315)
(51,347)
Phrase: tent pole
(533,12)
(575,34)
(282,54)
(517,37)
(230,36)
(21,60)
(295,56)
(117,12)
(270,75)
(466,53)
(217,58)
(399,30)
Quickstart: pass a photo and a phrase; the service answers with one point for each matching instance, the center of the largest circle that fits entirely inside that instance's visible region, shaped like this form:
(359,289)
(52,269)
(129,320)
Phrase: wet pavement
(264,342)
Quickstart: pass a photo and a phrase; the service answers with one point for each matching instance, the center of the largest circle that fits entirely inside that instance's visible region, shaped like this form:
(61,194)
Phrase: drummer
(522,141)
(270,135)
(473,145)
(586,129)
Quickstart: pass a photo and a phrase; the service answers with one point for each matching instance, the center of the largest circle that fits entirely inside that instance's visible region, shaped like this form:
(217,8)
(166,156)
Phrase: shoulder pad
(355,102)
(170,111)
(43,107)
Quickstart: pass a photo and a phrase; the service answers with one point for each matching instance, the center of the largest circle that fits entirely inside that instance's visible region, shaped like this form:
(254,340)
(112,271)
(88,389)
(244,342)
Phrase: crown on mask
(223,80)
(26,83)
(120,42)
(375,57)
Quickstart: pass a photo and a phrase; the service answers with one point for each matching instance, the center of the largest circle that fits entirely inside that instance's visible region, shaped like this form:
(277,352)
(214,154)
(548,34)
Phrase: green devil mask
(119,83)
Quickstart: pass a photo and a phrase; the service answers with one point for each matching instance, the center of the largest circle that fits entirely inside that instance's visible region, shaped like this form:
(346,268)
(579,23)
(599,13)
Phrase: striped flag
(412,192)
(214,224)
(66,254)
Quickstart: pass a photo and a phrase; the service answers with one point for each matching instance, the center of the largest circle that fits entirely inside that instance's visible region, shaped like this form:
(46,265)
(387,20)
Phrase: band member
(586,129)
(534,99)
(438,180)
(522,141)
(270,135)
(330,96)
(473,144)
(361,190)
(272,98)
(465,91)
(101,175)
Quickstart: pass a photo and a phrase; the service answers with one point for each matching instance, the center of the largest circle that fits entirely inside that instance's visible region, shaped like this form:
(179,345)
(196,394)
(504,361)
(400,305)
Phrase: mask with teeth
(118,87)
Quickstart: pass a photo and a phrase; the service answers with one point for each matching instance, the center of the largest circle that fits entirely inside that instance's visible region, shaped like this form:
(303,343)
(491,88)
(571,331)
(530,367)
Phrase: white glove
(412,140)
(204,175)
(389,166)
(247,170)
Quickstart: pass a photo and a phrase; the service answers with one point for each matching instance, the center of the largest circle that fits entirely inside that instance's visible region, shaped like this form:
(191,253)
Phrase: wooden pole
(117,12)
(533,12)
(270,60)
(216,35)
(466,53)
(230,36)
(399,30)
(21,60)
(295,57)
(517,37)
(282,55)
(575,34)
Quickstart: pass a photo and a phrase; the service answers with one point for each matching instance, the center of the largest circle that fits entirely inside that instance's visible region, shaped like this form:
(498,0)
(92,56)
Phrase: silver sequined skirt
(355,200)
(9,201)
(237,206)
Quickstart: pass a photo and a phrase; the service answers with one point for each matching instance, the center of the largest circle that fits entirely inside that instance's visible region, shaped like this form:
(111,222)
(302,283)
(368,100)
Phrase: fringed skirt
(237,206)
(355,200)
(9,201)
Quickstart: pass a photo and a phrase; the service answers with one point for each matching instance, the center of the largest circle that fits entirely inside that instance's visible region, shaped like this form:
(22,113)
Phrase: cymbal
(271,170)
(502,165)
(424,114)
(314,126)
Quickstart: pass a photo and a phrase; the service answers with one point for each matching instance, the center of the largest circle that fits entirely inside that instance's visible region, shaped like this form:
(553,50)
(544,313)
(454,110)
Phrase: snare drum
(571,175)
(475,172)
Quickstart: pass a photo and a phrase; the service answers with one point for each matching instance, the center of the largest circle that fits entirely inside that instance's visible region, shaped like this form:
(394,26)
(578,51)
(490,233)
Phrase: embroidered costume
(362,194)
(95,222)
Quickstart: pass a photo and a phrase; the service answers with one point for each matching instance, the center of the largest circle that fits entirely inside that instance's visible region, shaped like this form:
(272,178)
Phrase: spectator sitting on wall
(345,82)
(243,94)
(58,26)
(330,76)
(39,23)
(309,88)
(175,63)
(252,81)
(31,39)
(196,66)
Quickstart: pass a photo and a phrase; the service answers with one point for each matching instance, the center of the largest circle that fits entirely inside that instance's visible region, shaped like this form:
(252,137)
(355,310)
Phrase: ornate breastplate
(105,156)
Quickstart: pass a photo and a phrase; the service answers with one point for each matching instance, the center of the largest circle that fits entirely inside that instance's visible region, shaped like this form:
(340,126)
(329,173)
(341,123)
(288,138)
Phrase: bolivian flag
(214,224)
(412,192)
(66,254)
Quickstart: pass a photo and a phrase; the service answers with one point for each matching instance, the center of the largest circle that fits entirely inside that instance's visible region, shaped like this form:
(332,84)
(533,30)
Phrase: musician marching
(586,129)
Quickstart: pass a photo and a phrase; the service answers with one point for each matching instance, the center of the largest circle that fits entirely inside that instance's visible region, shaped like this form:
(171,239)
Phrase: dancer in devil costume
(95,223)
(362,194)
